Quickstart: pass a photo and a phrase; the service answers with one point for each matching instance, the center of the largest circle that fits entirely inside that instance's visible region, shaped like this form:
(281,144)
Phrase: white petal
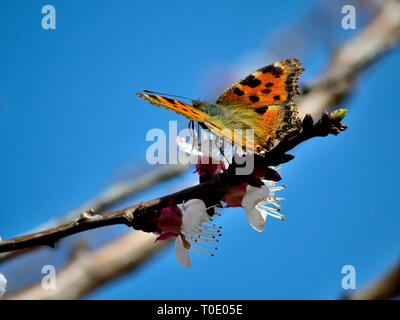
(190,148)
(194,213)
(268,183)
(181,253)
(3,285)
(256,220)
(187,222)
(255,195)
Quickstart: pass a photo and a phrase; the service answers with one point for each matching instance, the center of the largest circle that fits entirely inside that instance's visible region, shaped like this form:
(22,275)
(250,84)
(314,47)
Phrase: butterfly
(262,101)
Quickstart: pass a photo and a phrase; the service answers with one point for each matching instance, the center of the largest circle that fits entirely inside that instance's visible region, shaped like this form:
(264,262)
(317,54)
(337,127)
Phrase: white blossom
(3,285)
(198,232)
(260,202)
(205,150)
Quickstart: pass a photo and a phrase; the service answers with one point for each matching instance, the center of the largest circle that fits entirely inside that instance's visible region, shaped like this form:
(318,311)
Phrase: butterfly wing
(261,101)
(268,93)
(175,105)
(271,85)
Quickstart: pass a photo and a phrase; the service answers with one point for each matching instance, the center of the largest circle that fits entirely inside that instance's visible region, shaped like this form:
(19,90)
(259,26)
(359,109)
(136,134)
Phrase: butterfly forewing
(174,105)
(269,92)
(271,85)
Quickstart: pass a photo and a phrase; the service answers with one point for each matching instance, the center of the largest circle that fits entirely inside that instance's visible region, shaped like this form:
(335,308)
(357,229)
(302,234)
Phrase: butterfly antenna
(168,94)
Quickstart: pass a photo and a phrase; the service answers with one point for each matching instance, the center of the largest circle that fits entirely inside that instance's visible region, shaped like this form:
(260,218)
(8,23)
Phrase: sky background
(70,124)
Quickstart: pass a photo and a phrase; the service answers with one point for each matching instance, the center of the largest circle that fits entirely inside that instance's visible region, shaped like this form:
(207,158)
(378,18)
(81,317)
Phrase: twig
(110,196)
(124,189)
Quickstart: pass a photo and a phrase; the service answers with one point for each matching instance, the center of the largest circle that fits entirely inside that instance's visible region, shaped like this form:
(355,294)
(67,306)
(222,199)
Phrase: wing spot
(170,100)
(254,98)
(153,96)
(266,91)
(261,110)
(251,81)
(269,84)
(275,71)
(238,92)
(277,98)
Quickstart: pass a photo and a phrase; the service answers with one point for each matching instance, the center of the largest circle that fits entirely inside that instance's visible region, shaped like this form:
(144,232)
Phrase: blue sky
(70,124)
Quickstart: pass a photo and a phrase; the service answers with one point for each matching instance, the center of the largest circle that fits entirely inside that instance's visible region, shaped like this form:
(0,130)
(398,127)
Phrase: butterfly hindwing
(278,121)
(174,105)
(270,124)
(271,85)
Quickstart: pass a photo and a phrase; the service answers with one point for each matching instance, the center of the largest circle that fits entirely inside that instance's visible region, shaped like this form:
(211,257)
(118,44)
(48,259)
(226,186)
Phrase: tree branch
(330,90)
(110,196)
(142,216)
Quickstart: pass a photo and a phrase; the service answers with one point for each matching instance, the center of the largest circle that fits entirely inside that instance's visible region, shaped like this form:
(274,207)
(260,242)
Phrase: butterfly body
(262,101)
(211,109)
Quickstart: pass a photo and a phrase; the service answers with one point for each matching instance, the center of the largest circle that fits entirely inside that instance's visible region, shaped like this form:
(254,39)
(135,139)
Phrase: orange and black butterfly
(262,101)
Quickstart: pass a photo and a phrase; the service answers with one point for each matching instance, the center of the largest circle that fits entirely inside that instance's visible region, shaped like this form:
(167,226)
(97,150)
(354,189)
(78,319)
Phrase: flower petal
(194,213)
(255,195)
(3,285)
(256,220)
(190,148)
(181,253)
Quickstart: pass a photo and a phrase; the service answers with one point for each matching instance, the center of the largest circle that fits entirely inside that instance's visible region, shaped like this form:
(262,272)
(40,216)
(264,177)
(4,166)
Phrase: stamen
(200,234)
(195,250)
(200,249)
(203,236)
(211,228)
(203,246)
(202,240)
(270,211)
